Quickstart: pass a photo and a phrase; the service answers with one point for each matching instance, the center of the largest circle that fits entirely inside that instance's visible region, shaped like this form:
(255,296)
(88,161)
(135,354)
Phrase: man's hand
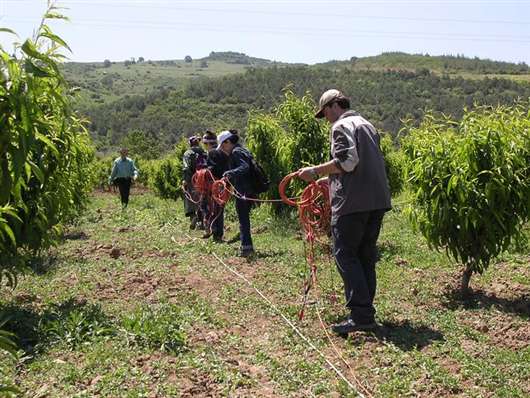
(307,174)
(228,174)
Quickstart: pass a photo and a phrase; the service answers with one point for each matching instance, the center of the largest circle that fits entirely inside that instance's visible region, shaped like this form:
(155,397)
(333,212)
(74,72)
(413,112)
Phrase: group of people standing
(224,156)
(359,193)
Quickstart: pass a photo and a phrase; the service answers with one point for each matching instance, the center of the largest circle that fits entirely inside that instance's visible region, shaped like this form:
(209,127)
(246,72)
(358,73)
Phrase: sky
(305,31)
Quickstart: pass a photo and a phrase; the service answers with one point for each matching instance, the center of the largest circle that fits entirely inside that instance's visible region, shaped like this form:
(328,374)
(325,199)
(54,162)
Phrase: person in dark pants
(360,196)
(123,173)
(193,159)
(239,175)
(209,208)
(218,164)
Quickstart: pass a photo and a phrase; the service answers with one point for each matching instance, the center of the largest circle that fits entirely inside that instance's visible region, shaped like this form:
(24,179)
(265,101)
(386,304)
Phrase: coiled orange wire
(314,209)
(314,212)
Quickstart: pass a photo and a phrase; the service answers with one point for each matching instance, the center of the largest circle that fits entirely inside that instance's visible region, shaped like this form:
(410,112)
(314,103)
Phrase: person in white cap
(239,175)
(360,196)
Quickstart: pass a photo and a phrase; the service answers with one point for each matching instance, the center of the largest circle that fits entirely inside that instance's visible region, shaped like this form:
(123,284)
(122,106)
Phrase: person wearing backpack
(240,176)
(194,159)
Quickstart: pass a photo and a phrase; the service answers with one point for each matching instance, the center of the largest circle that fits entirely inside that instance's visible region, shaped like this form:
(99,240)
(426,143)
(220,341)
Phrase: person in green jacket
(123,173)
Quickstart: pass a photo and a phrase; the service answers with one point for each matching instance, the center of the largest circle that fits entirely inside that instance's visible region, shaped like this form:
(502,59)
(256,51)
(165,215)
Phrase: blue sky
(292,31)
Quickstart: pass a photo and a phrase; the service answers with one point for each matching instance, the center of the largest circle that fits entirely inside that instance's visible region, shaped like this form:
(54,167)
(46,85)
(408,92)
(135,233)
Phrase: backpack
(260,181)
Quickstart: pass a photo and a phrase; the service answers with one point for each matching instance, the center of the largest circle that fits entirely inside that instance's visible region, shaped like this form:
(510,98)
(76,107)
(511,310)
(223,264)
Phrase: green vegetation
(446,64)
(45,156)
(169,99)
(384,97)
(131,304)
(287,139)
(168,173)
(471,182)
(228,342)
(45,150)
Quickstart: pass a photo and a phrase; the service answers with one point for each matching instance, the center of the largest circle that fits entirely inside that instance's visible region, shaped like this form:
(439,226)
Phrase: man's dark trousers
(243,208)
(124,185)
(354,247)
(218,222)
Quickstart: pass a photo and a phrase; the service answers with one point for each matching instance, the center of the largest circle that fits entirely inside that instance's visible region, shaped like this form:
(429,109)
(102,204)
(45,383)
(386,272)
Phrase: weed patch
(157,328)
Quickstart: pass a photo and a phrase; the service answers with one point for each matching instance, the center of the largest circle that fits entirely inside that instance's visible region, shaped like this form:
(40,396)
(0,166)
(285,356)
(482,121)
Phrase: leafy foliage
(44,148)
(168,173)
(155,328)
(101,169)
(471,182)
(291,137)
(287,139)
(394,164)
(7,346)
(74,325)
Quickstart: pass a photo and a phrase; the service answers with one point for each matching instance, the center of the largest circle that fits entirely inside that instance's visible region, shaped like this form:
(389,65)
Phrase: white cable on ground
(293,326)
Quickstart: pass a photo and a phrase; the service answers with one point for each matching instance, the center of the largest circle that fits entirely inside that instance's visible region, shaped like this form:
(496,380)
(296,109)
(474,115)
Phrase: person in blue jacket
(239,175)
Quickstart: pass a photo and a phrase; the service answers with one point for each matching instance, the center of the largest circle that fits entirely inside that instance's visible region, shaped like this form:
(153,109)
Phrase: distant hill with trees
(167,99)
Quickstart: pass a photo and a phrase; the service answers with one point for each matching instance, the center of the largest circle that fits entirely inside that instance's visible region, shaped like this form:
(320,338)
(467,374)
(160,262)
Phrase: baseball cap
(193,139)
(209,137)
(222,137)
(325,99)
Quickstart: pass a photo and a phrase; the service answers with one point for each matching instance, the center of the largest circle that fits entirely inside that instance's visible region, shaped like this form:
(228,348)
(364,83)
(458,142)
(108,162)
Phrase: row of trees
(45,155)
(469,180)
(45,151)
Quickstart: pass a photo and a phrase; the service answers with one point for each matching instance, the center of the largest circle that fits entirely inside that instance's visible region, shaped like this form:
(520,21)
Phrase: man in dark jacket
(217,163)
(193,159)
(240,177)
(360,196)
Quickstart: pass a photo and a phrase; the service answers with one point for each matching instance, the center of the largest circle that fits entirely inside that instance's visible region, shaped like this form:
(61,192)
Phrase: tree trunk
(466,277)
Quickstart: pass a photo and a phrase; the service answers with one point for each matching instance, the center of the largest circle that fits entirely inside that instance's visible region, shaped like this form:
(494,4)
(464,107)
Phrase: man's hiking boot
(349,326)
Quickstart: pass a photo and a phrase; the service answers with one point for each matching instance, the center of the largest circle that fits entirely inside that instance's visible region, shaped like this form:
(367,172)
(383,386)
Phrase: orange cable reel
(314,212)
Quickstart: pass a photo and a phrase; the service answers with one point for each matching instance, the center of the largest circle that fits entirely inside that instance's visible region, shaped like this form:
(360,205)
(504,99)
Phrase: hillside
(445,64)
(167,99)
(104,82)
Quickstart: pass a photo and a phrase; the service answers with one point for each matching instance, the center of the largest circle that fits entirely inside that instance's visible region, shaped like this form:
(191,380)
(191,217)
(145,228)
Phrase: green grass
(166,318)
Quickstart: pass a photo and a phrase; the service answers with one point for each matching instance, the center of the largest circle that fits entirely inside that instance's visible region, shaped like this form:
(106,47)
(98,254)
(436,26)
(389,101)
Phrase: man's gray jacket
(363,184)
